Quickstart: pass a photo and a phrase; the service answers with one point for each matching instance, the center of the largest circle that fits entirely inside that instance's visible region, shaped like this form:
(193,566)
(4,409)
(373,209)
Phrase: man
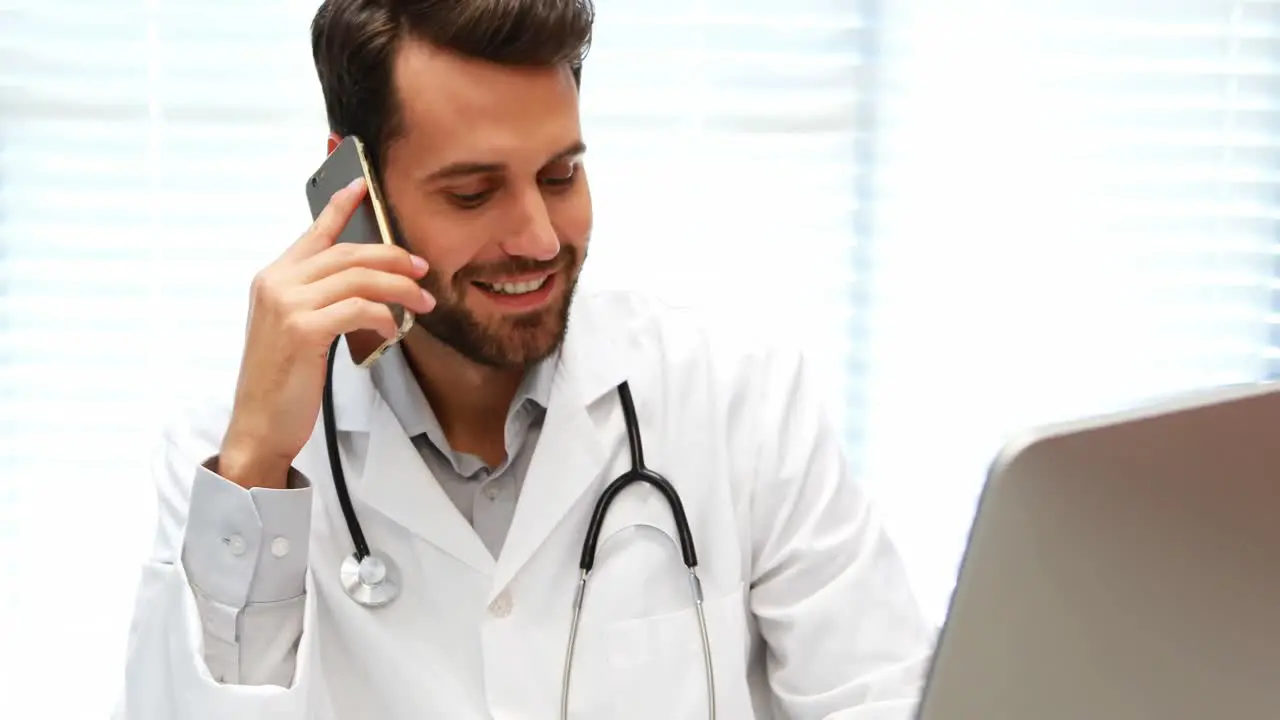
(475,450)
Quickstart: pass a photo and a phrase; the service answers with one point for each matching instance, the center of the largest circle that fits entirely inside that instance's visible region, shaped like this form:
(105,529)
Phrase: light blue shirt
(486,496)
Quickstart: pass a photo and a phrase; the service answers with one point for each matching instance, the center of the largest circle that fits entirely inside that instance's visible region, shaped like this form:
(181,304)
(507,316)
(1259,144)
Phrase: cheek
(447,240)
(447,246)
(573,217)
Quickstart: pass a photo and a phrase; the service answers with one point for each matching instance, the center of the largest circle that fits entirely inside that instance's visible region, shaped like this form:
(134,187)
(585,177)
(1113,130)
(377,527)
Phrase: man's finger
(328,225)
(350,315)
(388,258)
(369,284)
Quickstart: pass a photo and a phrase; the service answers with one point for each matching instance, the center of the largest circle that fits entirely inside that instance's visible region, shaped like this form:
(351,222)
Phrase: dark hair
(354,43)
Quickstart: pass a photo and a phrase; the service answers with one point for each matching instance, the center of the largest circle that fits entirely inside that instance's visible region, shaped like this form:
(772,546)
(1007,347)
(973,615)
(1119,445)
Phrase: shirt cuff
(245,547)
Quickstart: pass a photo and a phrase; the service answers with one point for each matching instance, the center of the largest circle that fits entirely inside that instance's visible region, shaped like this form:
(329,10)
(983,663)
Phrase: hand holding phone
(369,224)
(318,289)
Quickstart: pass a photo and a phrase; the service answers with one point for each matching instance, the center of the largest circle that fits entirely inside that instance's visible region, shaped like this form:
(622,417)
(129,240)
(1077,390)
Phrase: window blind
(726,156)
(152,158)
(1075,208)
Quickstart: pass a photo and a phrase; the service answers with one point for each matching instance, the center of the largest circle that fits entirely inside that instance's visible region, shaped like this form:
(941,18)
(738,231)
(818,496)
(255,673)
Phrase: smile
(519,295)
(515,288)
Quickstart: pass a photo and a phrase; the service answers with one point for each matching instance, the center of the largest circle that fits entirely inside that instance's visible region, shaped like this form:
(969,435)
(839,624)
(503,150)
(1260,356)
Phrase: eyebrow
(467,168)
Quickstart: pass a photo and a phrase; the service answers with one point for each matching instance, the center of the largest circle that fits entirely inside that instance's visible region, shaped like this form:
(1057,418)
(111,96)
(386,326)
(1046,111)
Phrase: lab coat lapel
(393,480)
(568,458)
(572,450)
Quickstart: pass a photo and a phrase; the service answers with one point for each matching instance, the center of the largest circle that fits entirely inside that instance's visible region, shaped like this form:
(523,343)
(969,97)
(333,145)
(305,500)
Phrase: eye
(469,201)
(561,174)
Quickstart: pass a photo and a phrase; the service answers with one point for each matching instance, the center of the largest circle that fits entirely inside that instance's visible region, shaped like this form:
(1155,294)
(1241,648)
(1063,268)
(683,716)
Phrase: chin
(526,340)
(501,341)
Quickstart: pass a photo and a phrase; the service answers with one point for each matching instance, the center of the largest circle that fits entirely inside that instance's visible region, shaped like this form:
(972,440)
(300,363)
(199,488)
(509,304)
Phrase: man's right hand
(316,291)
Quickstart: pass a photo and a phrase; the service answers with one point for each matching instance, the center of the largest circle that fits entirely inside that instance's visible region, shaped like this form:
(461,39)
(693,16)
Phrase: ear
(334,140)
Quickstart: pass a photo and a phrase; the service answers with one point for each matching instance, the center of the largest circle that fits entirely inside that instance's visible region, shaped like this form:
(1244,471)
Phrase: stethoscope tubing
(335,460)
(638,473)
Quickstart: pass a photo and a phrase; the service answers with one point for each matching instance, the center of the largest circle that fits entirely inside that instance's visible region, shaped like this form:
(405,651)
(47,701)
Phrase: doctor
(476,449)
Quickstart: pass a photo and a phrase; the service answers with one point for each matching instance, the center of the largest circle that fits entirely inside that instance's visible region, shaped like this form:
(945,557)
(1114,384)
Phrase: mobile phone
(370,223)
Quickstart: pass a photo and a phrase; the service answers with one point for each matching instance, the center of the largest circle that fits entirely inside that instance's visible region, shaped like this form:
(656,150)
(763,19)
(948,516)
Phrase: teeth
(519,288)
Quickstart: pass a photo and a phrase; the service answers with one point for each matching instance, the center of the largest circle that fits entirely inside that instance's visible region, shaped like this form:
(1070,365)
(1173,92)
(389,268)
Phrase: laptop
(1123,568)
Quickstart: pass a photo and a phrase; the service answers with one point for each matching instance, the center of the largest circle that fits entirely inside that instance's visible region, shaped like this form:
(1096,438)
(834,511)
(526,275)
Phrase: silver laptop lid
(1124,568)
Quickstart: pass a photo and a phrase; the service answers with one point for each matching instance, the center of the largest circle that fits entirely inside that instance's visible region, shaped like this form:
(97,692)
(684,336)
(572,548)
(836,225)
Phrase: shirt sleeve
(245,553)
(845,634)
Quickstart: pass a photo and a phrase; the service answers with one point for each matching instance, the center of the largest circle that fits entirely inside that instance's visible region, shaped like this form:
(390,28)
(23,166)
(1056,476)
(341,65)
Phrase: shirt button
(280,547)
(501,605)
(492,492)
(235,544)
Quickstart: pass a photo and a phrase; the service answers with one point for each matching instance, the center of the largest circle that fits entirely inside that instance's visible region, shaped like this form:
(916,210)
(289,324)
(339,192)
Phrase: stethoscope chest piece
(371,582)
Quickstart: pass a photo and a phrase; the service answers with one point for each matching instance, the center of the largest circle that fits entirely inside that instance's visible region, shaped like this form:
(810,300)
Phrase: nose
(532,233)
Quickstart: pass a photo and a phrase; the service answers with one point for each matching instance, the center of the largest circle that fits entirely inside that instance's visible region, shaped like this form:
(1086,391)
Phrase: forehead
(458,108)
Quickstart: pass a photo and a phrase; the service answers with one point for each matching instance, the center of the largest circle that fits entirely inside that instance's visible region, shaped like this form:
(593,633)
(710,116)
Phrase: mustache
(515,266)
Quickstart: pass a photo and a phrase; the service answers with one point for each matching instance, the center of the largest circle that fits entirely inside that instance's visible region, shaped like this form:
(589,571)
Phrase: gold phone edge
(384,229)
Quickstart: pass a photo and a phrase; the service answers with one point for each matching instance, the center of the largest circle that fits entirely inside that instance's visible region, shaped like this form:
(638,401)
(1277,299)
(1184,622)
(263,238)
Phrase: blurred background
(975,215)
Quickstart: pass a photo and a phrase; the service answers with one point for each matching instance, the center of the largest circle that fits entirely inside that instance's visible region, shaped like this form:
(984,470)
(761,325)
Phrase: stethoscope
(372,580)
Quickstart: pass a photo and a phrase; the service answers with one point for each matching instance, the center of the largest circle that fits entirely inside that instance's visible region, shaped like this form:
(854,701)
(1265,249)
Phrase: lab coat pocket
(657,668)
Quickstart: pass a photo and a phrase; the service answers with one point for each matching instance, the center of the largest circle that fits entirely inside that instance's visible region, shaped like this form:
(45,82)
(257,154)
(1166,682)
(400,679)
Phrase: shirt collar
(394,380)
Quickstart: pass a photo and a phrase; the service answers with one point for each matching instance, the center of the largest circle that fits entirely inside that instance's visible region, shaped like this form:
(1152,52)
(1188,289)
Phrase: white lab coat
(808,608)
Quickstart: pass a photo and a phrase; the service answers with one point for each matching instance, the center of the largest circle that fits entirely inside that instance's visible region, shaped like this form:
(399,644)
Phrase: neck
(469,400)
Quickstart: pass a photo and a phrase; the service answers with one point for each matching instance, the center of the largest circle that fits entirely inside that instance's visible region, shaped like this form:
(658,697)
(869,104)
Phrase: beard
(504,341)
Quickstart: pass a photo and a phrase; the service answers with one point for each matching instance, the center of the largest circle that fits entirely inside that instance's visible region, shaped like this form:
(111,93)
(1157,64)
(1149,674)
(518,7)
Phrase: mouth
(522,294)
(522,287)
